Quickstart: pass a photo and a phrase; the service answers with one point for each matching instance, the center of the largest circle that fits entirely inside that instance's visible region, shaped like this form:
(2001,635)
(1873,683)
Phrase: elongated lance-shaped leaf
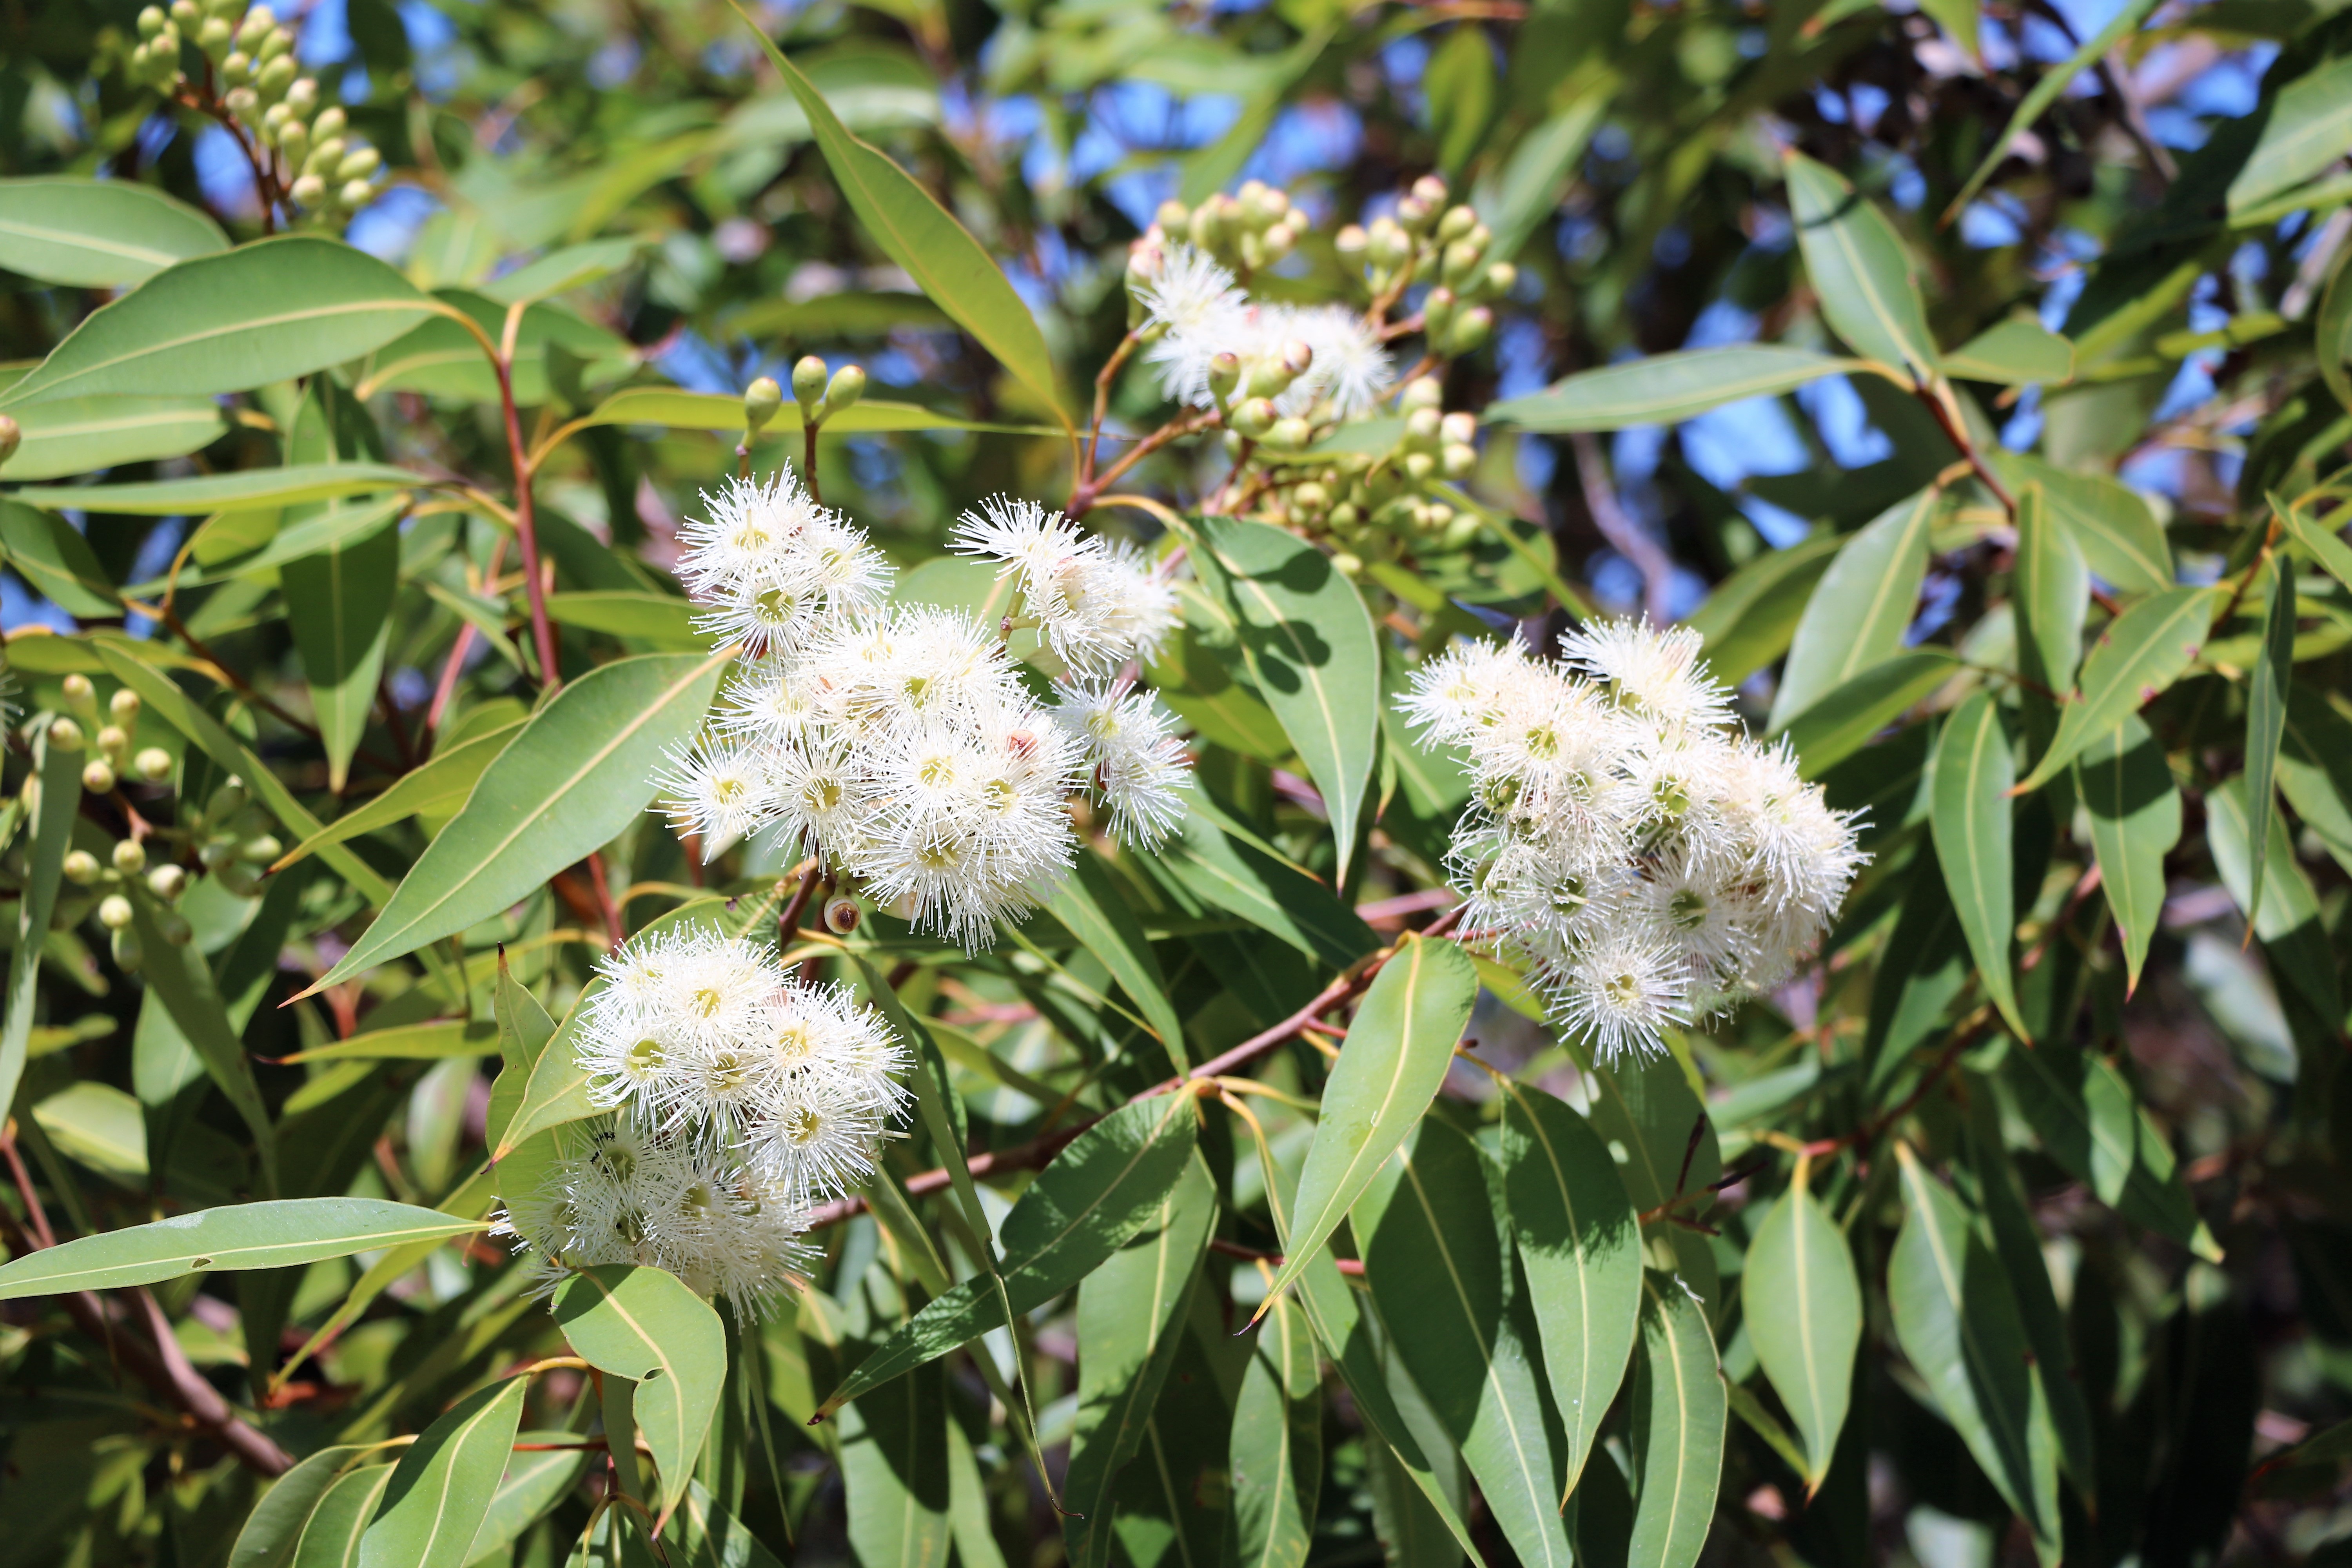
(1645,1107)
(80,434)
(1749,618)
(2053,590)
(441,785)
(534,1482)
(274,1528)
(1856,617)
(49,553)
(60,793)
(1666,388)
(1130,1320)
(950,265)
(1678,1420)
(1583,1253)
(2110,522)
(2267,685)
(644,1324)
(1442,1273)
(2309,128)
(441,1489)
(894,1470)
(1396,1054)
(177,975)
(2054,80)
(1868,285)
(2317,540)
(1310,645)
(1277,1446)
(2019,351)
(2141,652)
(338,607)
(1845,721)
(246,490)
(2287,921)
(1804,1307)
(1958,1326)
(1218,865)
(2055,1087)
(579,772)
(97,234)
(339,1524)
(267,311)
(2134,808)
(1971,817)
(1096,1195)
(273,1234)
(1095,908)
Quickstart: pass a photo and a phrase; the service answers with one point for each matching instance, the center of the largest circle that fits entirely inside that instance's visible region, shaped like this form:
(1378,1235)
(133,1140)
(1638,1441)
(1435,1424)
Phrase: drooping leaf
(1095,909)
(1582,1251)
(2266,697)
(644,1325)
(2053,593)
(267,311)
(1395,1056)
(338,607)
(2019,351)
(440,1492)
(2288,918)
(1802,1303)
(674,409)
(1644,1106)
(270,1234)
(52,838)
(176,973)
(1278,1445)
(1856,617)
(1677,1441)
(340,1522)
(2140,653)
(1749,618)
(1227,870)
(2055,1086)
(1866,280)
(894,1465)
(534,1482)
(97,234)
(51,556)
(2322,544)
(2134,808)
(2110,522)
(579,770)
(1972,823)
(246,489)
(441,785)
(274,1528)
(1664,388)
(1311,652)
(80,434)
(2310,127)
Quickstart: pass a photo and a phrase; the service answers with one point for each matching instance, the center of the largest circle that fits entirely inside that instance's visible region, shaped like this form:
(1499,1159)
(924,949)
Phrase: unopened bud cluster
(1376,508)
(1255,226)
(1427,241)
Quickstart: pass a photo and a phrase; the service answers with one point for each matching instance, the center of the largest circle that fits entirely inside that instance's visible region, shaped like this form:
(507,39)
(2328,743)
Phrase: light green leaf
(2266,697)
(1857,616)
(340,1522)
(100,1126)
(644,1324)
(1430,1226)
(1678,1421)
(2140,653)
(2331,338)
(441,1489)
(178,975)
(533,1483)
(894,1471)
(1665,389)
(52,556)
(274,1528)
(1748,618)
(1645,1108)
(245,490)
(439,358)
(1582,1251)
(338,607)
(2052,592)
(1220,866)
(673,409)
(1970,815)
(45,857)
(1802,1303)
(946,262)
(2288,918)
(415,1042)
(267,311)
(1278,1445)
(1866,282)
(81,435)
(662,619)
(440,785)
(1095,909)
(2134,808)
(1846,719)
(560,271)
(2323,543)
(580,770)
(1396,1053)
(271,1233)
(2315,770)
(1517,199)
(2110,522)
(2019,351)
(1312,654)
(1959,1327)
(97,234)
(2310,127)
(2054,1089)
(320,529)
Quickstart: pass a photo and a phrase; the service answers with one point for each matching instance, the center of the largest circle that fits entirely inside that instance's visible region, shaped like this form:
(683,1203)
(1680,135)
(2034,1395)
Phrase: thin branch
(1625,536)
(519,458)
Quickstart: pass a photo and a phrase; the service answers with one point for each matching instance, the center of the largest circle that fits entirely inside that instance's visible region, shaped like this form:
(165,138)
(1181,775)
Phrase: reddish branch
(526,528)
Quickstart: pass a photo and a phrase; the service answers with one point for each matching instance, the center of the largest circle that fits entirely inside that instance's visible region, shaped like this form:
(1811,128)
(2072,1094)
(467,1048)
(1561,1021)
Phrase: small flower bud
(1418,466)
(130,857)
(1421,427)
(331,121)
(276,43)
(303,97)
(1289,434)
(187,15)
(81,697)
(65,736)
(226,801)
(261,849)
(1310,497)
(98,775)
(1351,242)
(1460,429)
(1457,222)
(166,881)
(113,739)
(153,764)
(1431,190)
(809,377)
(243,102)
(1501,279)
(1346,515)
(114,911)
(128,952)
(212,36)
(359,164)
(1437,313)
(1474,325)
(1412,213)
(1347,563)
(1460,263)
(273,80)
(848,385)
(309,192)
(1424,392)
(257,24)
(356,194)
(1253,417)
(81,867)
(236,68)
(123,705)
(842,915)
(12,436)
(1225,373)
(150,21)
(215,853)
(1297,354)
(1173,217)
(761,401)
(1457,461)
(323,157)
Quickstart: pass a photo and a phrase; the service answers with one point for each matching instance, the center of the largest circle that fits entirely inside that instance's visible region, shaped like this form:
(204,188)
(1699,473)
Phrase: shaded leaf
(274,1528)
(2134,808)
(1749,618)
(2110,522)
(1677,1441)
(441,785)
(441,1489)
(78,435)
(2019,351)
(97,234)
(894,1470)
(1868,285)
(332,1539)
(2310,127)
(1803,1304)
(1857,615)
(1276,1448)
(53,557)
(644,1325)
(2266,697)
(338,607)
(2055,1086)
(1095,909)
(2140,653)
(52,838)
(1220,866)
(1971,817)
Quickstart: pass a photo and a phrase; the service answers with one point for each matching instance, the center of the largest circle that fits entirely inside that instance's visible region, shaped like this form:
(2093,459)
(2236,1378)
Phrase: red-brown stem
(789,920)
(1273,1260)
(808,458)
(526,530)
(1958,437)
(1083,498)
(454,665)
(1102,400)
(611,910)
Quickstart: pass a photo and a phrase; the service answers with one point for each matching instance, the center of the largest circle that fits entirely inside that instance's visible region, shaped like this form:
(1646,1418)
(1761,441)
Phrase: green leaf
(2140,653)
(1582,1254)
(2019,351)
(1278,1445)
(45,857)
(2288,920)
(1430,1226)
(2134,808)
(1802,1303)
(1665,389)
(245,490)
(1086,1205)
(2052,591)
(1959,1327)
(1846,719)
(1866,282)
(2267,687)
(171,704)
(2053,81)
(1396,1053)
(53,557)
(2315,769)
(560,271)
(1678,1420)
(670,408)
(1517,199)
(644,1324)
(1971,818)
(97,234)
(1130,1319)
(1312,654)
(1220,866)
(440,785)
(2322,544)
(2110,522)
(1095,909)
(1749,618)
(946,262)
(338,607)
(340,1522)
(271,1233)
(1857,616)
(1645,1107)
(533,1484)
(2310,127)
(176,973)
(439,358)
(416,1042)
(2331,338)
(579,772)
(894,1471)
(2055,1086)
(274,1528)
(662,619)
(80,434)
(441,1489)
(267,311)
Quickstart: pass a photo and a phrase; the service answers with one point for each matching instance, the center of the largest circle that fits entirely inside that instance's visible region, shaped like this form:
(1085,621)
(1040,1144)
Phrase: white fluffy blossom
(1647,864)
(768,564)
(1195,314)
(1137,767)
(1095,602)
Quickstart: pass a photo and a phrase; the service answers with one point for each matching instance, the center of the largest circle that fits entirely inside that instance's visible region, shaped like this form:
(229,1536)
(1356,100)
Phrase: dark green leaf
(1866,280)
(340,1522)
(52,838)
(2140,653)
(275,1527)
(1095,909)
(2134,808)
(644,1325)
(1277,1444)
(1749,618)
(2056,1087)
(338,607)
(440,785)
(1856,617)
(442,1488)
(1220,866)
(1972,822)
(1677,1434)
(2266,699)
(1802,1303)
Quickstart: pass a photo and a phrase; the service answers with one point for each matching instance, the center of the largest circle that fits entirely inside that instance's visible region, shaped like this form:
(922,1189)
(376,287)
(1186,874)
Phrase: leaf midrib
(170,345)
(73,239)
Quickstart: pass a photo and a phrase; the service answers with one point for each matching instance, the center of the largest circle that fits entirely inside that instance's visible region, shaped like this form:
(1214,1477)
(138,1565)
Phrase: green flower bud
(237,68)
(1413,215)
(355,193)
(166,882)
(98,775)
(1458,462)
(1437,313)
(188,14)
(1424,392)
(1460,263)
(809,377)
(12,436)
(1253,417)
(275,44)
(150,21)
(1462,532)
(65,736)
(1352,242)
(302,98)
(1173,217)
(330,122)
(1422,425)
(1501,279)
(1310,497)
(1457,222)
(324,157)
(130,857)
(114,911)
(849,385)
(81,867)
(1289,434)
(1472,329)
(81,699)
(761,401)
(1418,466)
(261,849)
(226,10)
(215,853)
(1346,515)
(128,952)
(258,24)
(1431,190)
(124,705)
(360,165)
(293,137)
(1251,251)
(153,764)
(308,192)
(113,739)
(273,80)
(212,36)
(244,102)
(1347,563)
(1224,375)
(226,801)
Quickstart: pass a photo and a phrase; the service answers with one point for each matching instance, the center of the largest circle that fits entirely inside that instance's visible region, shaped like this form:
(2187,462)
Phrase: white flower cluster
(899,743)
(1649,864)
(1191,301)
(740,1096)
